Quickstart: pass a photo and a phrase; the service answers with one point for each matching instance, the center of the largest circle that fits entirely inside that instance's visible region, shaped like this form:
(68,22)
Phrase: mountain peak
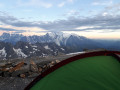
(54,34)
(5,34)
(11,34)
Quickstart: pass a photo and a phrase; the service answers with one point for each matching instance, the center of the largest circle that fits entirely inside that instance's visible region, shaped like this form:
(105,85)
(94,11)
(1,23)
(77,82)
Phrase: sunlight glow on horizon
(97,35)
(91,35)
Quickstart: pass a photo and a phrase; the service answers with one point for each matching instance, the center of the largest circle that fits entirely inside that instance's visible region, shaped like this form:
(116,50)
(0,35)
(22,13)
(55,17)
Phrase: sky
(99,19)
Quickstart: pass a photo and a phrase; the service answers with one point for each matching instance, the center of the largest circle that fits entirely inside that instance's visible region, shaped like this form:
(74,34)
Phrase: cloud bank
(98,22)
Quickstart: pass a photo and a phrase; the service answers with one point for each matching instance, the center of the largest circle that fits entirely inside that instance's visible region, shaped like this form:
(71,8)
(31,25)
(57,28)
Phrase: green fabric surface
(92,73)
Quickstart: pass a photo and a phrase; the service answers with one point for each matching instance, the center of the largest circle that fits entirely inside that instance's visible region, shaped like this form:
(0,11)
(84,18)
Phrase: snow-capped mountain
(72,41)
(26,50)
(19,46)
(63,38)
(59,38)
(12,38)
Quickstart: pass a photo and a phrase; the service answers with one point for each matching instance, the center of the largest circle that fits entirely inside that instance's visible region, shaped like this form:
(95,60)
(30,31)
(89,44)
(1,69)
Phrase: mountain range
(61,39)
(20,46)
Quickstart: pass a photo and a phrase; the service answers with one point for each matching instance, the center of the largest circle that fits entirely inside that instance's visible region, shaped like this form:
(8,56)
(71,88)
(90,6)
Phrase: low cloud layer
(9,29)
(98,22)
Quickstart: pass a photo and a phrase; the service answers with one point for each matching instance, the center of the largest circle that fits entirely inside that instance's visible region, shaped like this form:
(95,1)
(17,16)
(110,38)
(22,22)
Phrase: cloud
(65,2)
(99,22)
(20,29)
(113,9)
(71,1)
(11,30)
(103,3)
(113,6)
(35,3)
(105,14)
(61,4)
(72,13)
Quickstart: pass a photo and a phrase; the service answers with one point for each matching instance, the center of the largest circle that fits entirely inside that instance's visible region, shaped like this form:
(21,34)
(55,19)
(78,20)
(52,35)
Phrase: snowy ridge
(3,53)
(26,46)
(46,47)
(75,53)
(59,37)
(62,49)
(19,53)
(62,38)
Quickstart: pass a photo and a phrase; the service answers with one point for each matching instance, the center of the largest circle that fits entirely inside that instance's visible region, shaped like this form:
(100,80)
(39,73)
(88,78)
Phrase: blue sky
(90,18)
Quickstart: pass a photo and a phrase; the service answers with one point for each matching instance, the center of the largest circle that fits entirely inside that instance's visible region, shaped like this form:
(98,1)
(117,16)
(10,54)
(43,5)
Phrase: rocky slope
(27,50)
